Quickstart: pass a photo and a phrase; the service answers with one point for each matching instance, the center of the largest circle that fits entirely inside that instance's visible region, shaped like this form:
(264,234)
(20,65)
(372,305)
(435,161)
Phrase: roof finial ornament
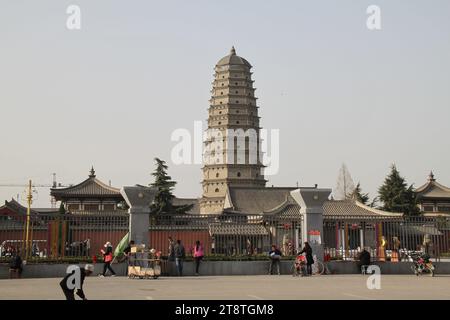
(233,51)
(431,177)
(92,175)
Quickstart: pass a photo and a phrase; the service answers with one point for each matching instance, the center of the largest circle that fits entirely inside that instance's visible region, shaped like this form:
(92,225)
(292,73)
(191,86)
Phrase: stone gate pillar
(139,199)
(311,202)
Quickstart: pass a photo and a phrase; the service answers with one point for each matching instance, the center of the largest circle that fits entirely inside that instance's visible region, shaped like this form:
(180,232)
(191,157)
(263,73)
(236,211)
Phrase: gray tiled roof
(89,187)
(353,208)
(258,200)
(185,201)
(279,202)
(233,59)
(433,189)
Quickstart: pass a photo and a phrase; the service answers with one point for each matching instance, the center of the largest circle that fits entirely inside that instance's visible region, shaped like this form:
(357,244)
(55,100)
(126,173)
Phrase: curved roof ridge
(279,207)
(377,211)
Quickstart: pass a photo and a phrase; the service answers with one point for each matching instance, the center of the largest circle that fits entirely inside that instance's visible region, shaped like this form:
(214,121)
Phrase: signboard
(314,237)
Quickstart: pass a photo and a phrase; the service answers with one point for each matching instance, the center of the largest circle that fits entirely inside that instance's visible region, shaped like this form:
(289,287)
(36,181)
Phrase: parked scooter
(421,264)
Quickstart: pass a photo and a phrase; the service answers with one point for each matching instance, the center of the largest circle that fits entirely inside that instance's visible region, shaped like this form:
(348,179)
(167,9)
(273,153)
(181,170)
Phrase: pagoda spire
(92,172)
(431,177)
(233,51)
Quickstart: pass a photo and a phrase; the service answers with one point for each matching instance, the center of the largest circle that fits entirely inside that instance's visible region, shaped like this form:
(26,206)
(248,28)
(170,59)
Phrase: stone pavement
(348,287)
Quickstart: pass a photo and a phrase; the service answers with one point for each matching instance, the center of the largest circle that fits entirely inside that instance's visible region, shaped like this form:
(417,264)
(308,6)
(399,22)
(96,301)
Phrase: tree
(396,195)
(162,204)
(345,185)
(62,210)
(358,195)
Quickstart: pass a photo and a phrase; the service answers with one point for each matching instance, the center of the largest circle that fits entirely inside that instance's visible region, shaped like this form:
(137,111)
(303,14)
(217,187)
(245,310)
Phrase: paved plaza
(347,287)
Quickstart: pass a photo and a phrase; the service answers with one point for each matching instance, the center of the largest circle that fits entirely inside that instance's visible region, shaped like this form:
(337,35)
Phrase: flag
(122,245)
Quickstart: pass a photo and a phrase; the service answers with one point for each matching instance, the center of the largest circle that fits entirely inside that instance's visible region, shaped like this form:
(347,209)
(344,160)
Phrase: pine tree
(164,196)
(359,196)
(62,210)
(396,195)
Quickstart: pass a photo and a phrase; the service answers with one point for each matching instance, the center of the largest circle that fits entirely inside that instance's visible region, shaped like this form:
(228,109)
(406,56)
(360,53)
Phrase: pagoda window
(443,208)
(428,208)
(217,175)
(237,91)
(237,111)
(238,174)
(237,101)
(73,207)
(108,207)
(217,190)
(237,122)
(91,207)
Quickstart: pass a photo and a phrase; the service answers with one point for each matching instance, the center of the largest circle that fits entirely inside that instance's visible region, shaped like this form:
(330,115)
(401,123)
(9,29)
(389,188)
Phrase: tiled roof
(184,201)
(257,200)
(277,201)
(91,187)
(234,229)
(354,208)
(433,189)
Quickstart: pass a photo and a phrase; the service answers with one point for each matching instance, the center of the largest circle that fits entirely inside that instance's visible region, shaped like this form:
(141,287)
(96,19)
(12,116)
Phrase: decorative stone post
(311,202)
(139,199)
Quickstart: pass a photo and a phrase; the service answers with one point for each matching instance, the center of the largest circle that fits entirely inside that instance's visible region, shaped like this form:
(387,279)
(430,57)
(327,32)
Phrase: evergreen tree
(62,210)
(358,195)
(164,196)
(396,195)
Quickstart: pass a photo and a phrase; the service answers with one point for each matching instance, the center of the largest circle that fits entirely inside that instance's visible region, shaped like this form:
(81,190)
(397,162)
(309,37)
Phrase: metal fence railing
(60,235)
(386,239)
(83,235)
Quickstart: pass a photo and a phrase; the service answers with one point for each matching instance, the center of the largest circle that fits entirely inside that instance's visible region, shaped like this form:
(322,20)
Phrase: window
(72,207)
(220,122)
(237,101)
(428,208)
(237,91)
(223,84)
(238,174)
(91,207)
(220,112)
(217,190)
(220,102)
(108,207)
(443,208)
(237,122)
(221,92)
(237,111)
(217,175)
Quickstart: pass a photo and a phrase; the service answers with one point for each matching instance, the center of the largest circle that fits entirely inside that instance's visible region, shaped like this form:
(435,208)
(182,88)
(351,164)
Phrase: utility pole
(29,200)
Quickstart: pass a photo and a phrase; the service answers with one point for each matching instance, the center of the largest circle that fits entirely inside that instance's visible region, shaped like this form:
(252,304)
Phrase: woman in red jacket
(198,255)
(107,258)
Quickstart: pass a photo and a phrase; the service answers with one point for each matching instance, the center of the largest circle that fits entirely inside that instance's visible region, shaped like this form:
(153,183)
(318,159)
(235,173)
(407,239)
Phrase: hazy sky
(111,94)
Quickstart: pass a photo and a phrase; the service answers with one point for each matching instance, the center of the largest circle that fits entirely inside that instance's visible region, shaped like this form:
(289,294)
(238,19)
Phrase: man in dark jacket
(179,254)
(275,256)
(15,265)
(363,260)
(69,292)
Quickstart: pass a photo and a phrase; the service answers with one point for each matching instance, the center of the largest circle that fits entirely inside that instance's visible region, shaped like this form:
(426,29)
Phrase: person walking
(307,250)
(179,254)
(15,266)
(107,258)
(275,256)
(198,255)
(69,293)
